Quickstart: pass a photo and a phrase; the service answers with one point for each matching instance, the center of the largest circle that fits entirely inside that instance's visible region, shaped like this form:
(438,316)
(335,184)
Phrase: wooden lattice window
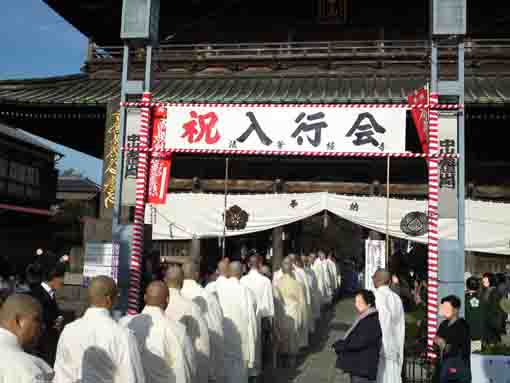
(332,11)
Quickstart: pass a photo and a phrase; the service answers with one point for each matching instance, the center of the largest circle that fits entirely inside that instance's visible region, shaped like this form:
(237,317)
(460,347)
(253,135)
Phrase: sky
(36,42)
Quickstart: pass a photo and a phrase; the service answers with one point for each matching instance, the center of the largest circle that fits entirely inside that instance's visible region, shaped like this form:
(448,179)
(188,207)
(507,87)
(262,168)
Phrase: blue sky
(36,42)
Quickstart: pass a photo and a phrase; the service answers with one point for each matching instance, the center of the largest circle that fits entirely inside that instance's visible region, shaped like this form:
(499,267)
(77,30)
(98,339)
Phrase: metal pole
(118,230)
(387,211)
(461,167)
(223,242)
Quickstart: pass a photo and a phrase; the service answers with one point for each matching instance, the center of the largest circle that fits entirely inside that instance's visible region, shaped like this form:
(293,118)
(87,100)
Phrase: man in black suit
(52,280)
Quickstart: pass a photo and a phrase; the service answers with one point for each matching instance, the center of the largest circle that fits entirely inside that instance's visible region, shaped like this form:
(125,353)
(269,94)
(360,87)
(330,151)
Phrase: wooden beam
(358,188)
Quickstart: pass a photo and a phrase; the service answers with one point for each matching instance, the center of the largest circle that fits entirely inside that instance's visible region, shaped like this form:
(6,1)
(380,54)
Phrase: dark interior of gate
(316,51)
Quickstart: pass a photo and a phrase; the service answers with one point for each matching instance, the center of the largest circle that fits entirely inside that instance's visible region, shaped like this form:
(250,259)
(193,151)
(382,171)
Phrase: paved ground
(317,365)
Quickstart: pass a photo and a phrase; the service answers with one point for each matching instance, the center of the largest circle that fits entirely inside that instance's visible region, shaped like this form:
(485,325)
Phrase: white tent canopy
(201,215)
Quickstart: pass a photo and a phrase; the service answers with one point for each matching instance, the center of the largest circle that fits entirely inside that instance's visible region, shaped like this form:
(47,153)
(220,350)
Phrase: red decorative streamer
(135,268)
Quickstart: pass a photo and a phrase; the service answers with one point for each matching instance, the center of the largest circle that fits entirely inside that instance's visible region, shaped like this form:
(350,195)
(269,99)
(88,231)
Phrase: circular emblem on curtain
(236,218)
(414,224)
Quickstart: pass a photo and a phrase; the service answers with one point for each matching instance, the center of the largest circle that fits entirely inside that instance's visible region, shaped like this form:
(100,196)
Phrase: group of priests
(227,332)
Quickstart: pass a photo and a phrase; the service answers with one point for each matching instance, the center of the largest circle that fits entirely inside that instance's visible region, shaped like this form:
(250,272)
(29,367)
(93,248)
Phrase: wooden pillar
(278,248)
(194,249)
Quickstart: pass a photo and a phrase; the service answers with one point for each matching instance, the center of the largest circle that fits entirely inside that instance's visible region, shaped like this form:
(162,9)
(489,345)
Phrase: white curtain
(188,215)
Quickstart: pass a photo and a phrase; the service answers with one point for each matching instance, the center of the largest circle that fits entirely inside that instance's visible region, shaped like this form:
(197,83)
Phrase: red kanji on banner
(207,125)
(420,116)
(159,175)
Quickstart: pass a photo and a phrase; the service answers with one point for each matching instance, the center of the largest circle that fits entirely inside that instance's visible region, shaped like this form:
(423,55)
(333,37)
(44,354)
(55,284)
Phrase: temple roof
(84,90)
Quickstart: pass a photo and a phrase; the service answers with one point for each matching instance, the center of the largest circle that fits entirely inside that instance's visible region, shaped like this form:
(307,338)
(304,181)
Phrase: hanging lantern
(325,220)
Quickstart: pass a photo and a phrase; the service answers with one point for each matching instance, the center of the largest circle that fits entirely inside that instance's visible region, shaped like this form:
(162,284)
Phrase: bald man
(163,356)
(95,348)
(211,311)
(20,326)
(239,325)
(187,312)
(391,317)
(223,275)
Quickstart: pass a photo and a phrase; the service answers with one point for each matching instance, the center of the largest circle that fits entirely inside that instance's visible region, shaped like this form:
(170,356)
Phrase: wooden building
(285,52)
(28,181)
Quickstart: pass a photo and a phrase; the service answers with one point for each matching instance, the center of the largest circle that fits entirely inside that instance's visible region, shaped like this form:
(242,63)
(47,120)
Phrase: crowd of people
(231,330)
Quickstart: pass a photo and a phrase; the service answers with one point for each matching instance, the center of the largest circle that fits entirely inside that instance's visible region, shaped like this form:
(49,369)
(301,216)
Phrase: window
(16,189)
(4,167)
(17,171)
(332,11)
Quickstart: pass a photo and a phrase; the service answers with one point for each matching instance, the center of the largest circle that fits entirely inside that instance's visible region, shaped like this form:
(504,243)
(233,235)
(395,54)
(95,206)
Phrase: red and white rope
(433,227)
(135,268)
(344,106)
(289,153)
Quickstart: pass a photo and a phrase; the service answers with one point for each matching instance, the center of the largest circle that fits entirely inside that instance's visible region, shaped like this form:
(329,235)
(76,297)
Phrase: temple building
(291,53)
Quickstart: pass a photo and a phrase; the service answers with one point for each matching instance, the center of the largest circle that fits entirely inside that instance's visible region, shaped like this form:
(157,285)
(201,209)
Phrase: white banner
(374,259)
(100,259)
(131,157)
(279,128)
(448,166)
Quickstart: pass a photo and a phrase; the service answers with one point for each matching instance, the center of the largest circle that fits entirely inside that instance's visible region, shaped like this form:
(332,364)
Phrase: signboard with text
(278,128)
(447,166)
(131,157)
(100,259)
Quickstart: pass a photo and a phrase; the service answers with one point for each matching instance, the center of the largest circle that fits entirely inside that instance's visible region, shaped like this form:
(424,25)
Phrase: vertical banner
(131,157)
(159,175)
(447,166)
(420,116)
(375,258)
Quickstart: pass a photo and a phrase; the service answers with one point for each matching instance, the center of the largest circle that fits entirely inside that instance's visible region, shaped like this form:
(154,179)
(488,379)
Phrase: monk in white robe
(185,311)
(162,354)
(20,326)
(289,308)
(211,311)
(316,266)
(263,291)
(239,326)
(223,269)
(328,280)
(301,277)
(314,288)
(95,348)
(391,317)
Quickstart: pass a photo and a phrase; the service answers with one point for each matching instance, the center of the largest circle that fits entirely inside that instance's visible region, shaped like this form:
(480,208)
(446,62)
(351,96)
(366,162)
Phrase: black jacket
(48,342)
(358,355)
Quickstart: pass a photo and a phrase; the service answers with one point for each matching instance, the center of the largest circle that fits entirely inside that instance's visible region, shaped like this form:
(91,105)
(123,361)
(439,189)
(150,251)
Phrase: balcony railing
(378,50)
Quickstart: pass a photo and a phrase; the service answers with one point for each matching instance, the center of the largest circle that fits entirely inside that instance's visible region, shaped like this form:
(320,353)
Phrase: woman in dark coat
(453,341)
(358,351)
(494,317)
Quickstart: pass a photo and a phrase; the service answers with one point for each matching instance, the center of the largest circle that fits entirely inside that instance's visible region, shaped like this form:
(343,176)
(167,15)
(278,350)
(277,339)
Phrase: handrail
(374,49)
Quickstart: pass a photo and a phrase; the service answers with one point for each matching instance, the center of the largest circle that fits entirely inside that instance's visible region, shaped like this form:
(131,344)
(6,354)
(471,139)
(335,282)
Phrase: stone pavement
(317,365)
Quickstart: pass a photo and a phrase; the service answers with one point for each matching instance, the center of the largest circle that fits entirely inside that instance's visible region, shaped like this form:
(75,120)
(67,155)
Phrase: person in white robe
(331,264)
(314,287)
(301,277)
(239,326)
(20,326)
(289,309)
(95,348)
(222,271)
(263,291)
(211,311)
(392,319)
(185,311)
(328,281)
(162,354)
(319,274)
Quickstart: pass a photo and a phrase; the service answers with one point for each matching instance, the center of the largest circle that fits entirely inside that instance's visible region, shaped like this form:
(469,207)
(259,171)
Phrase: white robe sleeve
(129,359)
(251,312)
(63,362)
(179,364)
(268,300)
